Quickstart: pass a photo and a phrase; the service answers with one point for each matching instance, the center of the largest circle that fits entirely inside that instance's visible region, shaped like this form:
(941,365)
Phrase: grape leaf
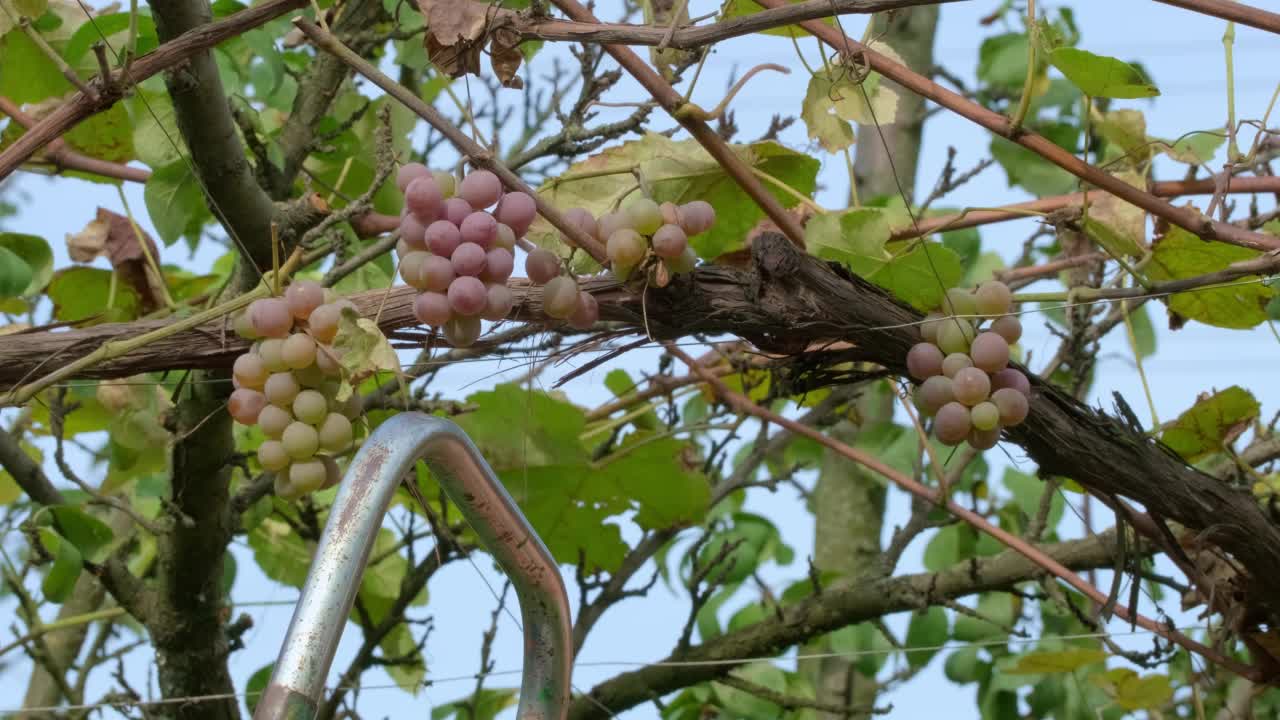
(256,685)
(175,202)
(1101,76)
(80,293)
(1002,60)
(818,112)
(1127,130)
(39,78)
(1179,254)
(921,275)
(280,552)
(1194,148)
(35,254)
(1205,426)
(1026,168)
(15,273)
(1132,691)
(740,8)
(1056,661)
(362,346)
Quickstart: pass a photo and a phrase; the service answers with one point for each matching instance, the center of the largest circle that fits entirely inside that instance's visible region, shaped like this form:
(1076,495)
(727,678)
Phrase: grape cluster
(628,235)
(455,251)
(966,382)
(287,385)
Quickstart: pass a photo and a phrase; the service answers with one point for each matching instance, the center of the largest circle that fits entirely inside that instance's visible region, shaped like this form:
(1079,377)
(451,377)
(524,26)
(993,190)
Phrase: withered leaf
(113,235)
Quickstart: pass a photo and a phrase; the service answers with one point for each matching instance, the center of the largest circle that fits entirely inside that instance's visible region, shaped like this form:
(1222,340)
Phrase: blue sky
(1183,53)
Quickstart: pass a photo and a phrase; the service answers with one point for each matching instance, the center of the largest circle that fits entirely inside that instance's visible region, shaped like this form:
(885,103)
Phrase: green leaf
(90,535)
(1195,148)
(741,8)
(928,630)
(950,545)
(1056,661)
(38,79)
(31,8)
(282,555)
(482,706)
(80,293)
(156,138)
(175,202)
(921,275)
(257,685)
(67,563)
(1179,254)
(997,614)
(1027,490)
(1204,428)
(741,704)
(107,135)
(1101,76)
(1143,332)
(35,254)
(679,172)
(964,666)
(115,28)
(1002,60)
(863,641)
(1027,169)
(15,274)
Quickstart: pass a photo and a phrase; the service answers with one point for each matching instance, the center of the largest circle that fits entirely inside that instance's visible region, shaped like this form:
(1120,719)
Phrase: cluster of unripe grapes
(628,234)
(457,252)
(287,385)
(966,383)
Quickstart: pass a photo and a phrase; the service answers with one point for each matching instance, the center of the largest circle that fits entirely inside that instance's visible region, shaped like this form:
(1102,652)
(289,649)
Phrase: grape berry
(966,383)
(287,384)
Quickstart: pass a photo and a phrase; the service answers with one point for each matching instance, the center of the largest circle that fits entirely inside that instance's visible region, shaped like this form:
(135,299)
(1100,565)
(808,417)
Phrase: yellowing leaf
(362,346)
(1239,305)
(819,115)
(1203,428)
(1132,691)
(1059,661)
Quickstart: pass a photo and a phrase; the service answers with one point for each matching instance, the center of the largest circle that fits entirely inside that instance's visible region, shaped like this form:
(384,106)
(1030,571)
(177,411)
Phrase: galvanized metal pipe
(297,681)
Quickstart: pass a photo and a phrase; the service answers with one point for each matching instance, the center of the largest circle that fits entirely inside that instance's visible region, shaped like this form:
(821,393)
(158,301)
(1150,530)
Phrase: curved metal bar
(297,681)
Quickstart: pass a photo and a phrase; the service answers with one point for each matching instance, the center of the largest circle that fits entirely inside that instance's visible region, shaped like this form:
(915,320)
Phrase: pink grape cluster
(456,251)
(967,385)
(287,384)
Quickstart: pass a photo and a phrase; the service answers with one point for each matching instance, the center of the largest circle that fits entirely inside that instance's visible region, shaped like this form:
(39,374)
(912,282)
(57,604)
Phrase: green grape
(626,248)
(298,351)
(929,328)
(560,297)
(993,298)
(335,433)
(273,420)
(954,363)
(269,351)
(645,215)
(300,440)
(954,335)
(281,389)
(272,456)
(960,301)
(243,326)
(985,416)
(307,476)
(310,407)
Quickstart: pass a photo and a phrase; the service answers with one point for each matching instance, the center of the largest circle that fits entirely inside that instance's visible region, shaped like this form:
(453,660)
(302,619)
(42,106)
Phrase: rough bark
(842,604)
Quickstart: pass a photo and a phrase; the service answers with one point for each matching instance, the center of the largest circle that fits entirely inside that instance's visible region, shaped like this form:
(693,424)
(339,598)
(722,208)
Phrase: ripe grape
(1008,327)
(583,219)
(273,420)
(462,331)
(517,210)
(335,433)
(952,423)
(250,371)
(272,456)
(298,351)
(480,188)
(1011,378)
(300,440)
(971,386)
(243,326)
(281,389)
(924,360)
(934,393)
(271,317)
(985,416)
(403,248)
(585,313)
(498,302)
(332,475)
(929,328)
(423,198)
(410,172)
(959,301)
(323,322)
(993,298)
(411,269)
(669,241)
(505,238)
(645,215)
(328,361)
(245,405)
(954,363)
(1012,404)
(447,183)
(468,259)
(442,237)
(269,351)
(990,352)
(456,210)
(611,223)
(498,264)
(687,261)
(432,308)
(304,296)
(479,228)
(626,248)
(560,297)
(541,266)
(413,232)
(954,335)
(467,296)
(697,217)
(310,407)
(670,213)
(307,476)
(984,439)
